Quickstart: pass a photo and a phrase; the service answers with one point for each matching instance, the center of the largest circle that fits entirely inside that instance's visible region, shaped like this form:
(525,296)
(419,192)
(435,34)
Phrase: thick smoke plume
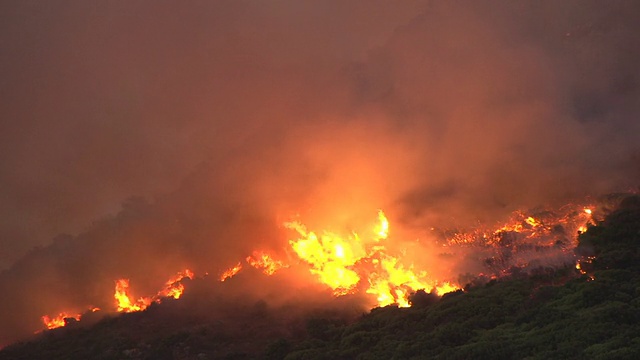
(228,118)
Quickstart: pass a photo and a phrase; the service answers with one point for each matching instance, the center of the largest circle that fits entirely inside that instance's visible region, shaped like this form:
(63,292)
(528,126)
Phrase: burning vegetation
(344,263)
(598,301)
(267,137)
(173,289)
(369,263)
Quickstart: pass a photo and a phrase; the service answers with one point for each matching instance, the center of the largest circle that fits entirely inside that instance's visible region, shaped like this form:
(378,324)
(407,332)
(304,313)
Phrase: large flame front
(345,263)
(362,262)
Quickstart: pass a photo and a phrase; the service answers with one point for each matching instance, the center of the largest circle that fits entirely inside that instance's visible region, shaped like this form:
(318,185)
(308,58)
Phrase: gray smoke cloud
(231,116)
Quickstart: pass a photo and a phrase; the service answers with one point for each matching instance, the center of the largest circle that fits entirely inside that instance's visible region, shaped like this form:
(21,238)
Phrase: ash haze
(229,117)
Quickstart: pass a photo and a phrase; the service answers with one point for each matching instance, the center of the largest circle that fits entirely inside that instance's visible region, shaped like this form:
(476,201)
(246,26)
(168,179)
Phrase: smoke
(230,117)
(497,100)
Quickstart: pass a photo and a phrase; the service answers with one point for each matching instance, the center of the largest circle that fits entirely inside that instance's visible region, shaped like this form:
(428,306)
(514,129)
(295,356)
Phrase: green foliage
(277,350)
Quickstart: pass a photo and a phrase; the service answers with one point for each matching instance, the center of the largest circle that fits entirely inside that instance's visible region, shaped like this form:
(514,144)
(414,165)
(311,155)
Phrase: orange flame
(344,263)
(230,272)
(532,221)
(58,321)
(123,300)
(330,257)
(265,262)
(382,228)
(173,288)
(350,263)
(519,223)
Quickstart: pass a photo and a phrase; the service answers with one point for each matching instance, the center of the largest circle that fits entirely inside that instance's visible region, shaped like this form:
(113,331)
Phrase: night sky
(228,116)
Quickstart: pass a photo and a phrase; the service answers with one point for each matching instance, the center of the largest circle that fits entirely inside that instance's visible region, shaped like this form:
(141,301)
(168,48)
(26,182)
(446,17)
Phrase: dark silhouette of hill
(549,313)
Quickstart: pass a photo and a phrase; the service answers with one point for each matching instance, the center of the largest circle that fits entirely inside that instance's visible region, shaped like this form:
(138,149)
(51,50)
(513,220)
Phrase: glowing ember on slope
(519,223)
(566,222)
(583,227)
(345,263)
(526,241)
(586,260)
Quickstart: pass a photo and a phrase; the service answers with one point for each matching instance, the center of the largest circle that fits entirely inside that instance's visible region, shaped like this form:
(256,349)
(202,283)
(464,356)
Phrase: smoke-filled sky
(230,116)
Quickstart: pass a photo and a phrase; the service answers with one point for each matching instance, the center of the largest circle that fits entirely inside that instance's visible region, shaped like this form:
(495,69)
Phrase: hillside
(549,313)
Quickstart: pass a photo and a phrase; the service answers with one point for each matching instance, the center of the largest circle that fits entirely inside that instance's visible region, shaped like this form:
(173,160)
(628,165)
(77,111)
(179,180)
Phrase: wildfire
(382,229)
(173,288)
(263,261)
(532,221)
(583,227)
(345,263)
(123,299)
(520,223)
(58,321)
(231,272)
(362,262)
(62,319)
(587,260)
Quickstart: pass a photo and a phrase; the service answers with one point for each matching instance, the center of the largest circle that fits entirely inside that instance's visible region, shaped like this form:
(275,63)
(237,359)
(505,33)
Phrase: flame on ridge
(231,272)
(123,301)
(53,322)
(58,321)
(259,260)
(173,288)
